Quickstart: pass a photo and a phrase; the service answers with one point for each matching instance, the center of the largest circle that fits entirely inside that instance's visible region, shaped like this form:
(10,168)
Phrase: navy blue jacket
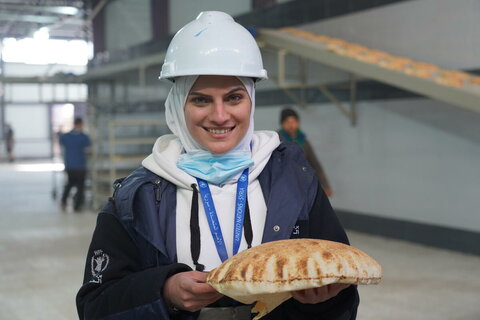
(133,250)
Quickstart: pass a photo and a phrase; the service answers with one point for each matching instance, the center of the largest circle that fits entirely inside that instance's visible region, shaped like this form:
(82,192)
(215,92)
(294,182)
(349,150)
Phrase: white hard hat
(213,44)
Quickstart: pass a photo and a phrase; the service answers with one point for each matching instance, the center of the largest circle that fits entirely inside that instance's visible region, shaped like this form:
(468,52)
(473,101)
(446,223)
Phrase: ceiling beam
(70,3)
(61,10)
(27,18)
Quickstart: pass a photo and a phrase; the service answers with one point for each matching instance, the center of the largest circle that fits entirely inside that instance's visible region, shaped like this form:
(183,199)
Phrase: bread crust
(269,272)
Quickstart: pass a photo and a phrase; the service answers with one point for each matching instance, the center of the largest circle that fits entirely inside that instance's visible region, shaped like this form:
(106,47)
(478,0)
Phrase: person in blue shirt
(76,147)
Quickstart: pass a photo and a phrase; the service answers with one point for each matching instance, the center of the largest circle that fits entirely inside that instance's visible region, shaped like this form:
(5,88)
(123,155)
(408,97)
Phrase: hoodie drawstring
(247,226)
(195,229)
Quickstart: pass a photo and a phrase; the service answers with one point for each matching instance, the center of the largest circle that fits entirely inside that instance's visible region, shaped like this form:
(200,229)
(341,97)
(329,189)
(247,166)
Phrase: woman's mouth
(219,130)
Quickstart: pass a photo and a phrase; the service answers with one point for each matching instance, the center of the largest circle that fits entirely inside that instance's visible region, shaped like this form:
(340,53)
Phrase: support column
(2,99)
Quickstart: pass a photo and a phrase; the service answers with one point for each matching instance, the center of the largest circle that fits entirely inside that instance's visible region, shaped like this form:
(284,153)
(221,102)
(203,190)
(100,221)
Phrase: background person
(290,131)
(75,148)
(9,142)
(154,239)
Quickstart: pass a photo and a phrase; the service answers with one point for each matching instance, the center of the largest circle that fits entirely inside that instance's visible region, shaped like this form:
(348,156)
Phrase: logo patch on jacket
(296,230)
(300,230)
(98,264)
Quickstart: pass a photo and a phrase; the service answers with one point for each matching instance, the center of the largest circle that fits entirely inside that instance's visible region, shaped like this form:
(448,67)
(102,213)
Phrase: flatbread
(267,273)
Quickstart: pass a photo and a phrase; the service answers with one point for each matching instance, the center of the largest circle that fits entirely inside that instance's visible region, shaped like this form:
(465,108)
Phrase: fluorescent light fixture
(27,18)
(50,51)
(71,11)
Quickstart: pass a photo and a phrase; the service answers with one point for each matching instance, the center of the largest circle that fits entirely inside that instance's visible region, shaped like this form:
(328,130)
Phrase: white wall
(393,166)
(442,32)
(184,11)
(31,126)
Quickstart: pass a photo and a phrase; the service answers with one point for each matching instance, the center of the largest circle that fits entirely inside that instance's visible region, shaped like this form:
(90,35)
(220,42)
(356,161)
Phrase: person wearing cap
(211,189)
(290,131)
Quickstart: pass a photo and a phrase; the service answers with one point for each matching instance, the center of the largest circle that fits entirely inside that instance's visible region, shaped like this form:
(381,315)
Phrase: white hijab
(175,115)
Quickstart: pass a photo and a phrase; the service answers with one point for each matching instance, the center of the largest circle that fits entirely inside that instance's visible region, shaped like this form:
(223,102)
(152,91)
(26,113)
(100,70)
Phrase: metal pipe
(281,67)
(303,82)
(353,99)
(332,98)
(96,10)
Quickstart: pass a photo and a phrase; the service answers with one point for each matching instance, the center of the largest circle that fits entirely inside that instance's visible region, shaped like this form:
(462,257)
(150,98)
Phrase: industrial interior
(388,94)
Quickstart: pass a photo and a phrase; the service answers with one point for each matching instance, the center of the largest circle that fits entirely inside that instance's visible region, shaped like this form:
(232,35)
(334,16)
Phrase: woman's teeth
(219,131)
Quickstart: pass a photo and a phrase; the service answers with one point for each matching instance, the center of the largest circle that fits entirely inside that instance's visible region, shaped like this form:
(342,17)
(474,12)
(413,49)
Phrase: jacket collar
(154,228)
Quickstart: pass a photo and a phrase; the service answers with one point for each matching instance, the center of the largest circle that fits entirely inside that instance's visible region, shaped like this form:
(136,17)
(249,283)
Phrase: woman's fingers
(198,276)
(188,291)
(335,288)
(201,288)
(317,295)
(311,296)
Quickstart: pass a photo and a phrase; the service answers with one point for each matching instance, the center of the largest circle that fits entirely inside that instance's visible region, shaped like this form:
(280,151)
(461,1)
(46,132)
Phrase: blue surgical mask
(216,169)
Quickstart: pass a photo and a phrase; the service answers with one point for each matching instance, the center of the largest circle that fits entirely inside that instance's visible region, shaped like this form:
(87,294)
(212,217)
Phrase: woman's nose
(219,114)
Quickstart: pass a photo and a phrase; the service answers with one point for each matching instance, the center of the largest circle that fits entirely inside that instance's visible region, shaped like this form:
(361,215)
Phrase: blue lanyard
(213,223)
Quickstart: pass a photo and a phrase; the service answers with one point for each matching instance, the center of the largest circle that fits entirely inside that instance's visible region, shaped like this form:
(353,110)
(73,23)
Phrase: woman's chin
(219,148)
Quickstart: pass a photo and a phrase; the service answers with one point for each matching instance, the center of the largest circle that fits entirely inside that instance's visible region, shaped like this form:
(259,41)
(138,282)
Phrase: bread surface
(269,272)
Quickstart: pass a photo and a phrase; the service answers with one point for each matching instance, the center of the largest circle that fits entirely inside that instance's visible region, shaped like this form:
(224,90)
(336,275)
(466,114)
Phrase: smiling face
(217,112)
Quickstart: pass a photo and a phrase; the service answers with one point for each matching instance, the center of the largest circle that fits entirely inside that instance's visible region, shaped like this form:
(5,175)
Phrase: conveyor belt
(454,87)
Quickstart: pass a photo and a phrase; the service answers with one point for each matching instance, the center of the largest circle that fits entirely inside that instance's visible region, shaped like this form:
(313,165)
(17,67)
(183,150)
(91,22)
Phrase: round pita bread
(269,272)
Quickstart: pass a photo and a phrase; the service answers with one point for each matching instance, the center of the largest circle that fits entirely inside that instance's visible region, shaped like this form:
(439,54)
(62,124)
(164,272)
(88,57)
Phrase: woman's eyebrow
(196,93)
(236,89)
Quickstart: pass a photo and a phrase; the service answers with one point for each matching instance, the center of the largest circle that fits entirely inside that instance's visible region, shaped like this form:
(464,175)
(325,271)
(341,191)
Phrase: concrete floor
(42,252)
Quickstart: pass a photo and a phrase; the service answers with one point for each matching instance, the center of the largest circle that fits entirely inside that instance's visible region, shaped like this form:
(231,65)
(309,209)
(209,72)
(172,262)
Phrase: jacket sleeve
(115,286)
(323,224)
(315,163)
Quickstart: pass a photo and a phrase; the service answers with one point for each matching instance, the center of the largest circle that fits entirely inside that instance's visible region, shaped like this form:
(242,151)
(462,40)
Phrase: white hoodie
(163,162)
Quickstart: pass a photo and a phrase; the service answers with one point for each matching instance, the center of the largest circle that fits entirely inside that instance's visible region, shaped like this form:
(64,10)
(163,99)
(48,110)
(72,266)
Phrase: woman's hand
(317,295)
(188,291)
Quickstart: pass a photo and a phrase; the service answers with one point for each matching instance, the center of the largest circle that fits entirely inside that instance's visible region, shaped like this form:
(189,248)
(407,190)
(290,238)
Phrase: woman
(213,188)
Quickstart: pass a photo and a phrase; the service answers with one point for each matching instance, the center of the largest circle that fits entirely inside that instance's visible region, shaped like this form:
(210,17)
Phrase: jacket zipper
(158,195)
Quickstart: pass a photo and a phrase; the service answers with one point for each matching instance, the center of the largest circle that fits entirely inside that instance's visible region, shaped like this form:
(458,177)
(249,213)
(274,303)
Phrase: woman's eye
(198,100)
(235,98)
